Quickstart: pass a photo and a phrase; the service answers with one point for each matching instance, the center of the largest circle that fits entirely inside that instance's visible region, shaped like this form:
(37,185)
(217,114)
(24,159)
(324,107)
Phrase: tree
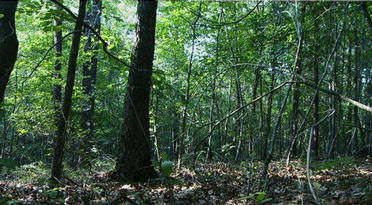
(63,117)
(134,161)
(8,43)
(57,89)
(89,77)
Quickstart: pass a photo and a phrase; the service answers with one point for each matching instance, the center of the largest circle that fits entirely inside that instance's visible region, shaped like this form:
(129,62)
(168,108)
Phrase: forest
(185,102)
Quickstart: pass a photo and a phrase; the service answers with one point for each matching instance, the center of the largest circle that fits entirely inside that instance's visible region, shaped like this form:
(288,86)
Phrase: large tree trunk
(134,161)
(8,43)
(66,105)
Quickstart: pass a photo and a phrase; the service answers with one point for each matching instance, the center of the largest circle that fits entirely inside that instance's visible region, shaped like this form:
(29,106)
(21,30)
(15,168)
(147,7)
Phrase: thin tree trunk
(356,88)
(315,113)
(315,130)
(181,149)
(213,99)
(156,139)
(268,117)
(63,118)
(57,95)
(88,82)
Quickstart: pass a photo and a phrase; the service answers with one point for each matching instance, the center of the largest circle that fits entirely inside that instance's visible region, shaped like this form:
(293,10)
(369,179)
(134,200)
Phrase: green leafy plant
(167,168)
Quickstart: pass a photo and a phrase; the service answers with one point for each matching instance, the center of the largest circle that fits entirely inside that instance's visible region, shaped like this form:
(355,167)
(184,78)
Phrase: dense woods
(185,102)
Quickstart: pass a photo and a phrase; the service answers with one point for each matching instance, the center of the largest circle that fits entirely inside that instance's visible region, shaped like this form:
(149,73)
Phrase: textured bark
(8,43)
(134,161)
(66,105)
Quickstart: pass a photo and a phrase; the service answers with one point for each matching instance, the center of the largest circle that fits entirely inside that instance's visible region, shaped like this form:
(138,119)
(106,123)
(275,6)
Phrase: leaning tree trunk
(66,104)
(134,161)
(8,43)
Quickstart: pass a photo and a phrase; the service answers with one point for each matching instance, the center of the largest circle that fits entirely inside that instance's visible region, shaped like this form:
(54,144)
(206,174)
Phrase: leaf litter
(208,183)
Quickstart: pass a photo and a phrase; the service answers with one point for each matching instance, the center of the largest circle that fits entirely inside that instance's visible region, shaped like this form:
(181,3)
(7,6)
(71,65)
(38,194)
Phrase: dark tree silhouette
(8,43)
(134,161)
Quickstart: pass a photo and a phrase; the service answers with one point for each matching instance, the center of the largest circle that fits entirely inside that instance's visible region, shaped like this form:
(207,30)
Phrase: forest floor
(342,181)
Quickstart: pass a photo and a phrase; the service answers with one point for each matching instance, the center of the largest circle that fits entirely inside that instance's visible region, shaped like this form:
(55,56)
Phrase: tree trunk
(213,99)
(134,161)
(268,117)
(8,43)
(57,39)
(315,134)
(89,80)
(66,105)
(183,135)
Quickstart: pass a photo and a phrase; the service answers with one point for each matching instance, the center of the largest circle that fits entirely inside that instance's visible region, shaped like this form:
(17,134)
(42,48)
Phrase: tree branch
(45,55)
(104,43)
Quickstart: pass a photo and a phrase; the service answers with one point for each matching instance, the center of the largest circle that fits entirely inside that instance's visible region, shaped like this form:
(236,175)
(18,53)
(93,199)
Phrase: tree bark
(66,104)
(8,43)
(134,161)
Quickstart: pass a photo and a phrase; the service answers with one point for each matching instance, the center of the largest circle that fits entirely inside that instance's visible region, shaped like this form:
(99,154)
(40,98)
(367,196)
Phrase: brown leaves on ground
(214,183)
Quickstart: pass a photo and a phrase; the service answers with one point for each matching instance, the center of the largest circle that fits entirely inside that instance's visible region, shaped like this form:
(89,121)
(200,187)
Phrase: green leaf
(260,196)
(1,15)
(11,164)
(251,196)
(166,168)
